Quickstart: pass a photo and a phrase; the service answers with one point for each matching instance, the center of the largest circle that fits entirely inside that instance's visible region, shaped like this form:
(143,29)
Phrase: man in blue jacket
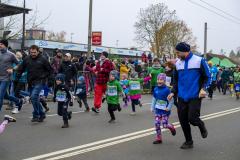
(192,78)
(214,72)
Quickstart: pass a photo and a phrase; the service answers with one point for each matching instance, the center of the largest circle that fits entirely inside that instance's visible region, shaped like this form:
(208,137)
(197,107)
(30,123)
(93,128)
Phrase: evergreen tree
(232,54)
(210,51)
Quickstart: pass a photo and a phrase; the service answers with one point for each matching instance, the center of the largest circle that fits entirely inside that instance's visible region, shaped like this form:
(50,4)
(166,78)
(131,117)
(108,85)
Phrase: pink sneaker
(88,94)
(125,104)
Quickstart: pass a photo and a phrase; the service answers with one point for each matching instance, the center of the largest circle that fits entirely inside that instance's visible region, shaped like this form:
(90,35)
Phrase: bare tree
(60,37)
(150,21)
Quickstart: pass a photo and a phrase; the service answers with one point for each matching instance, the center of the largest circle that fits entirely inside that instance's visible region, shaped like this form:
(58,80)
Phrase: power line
(214,12)
(219,9)
(223,30)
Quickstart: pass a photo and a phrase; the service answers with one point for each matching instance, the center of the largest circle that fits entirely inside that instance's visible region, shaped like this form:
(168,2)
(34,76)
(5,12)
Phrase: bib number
(41,93)
(112,90)
(161,105)
(235,75)
(78,90)
(61,96)
(134,85)
(237,88)
(168,80)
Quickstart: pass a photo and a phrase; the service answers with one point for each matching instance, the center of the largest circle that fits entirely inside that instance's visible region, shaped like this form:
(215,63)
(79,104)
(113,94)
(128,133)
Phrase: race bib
(134,85)
(112,90)
(161,104)
(168,80)
(41,93)
(237,88)
(78,90)
(235,75)
(61,96)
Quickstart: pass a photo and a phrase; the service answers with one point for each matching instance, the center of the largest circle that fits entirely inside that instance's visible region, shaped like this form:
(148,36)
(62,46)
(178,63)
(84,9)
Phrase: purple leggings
(164,118)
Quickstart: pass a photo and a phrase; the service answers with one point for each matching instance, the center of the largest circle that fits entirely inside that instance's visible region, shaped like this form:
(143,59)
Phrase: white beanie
(19,54)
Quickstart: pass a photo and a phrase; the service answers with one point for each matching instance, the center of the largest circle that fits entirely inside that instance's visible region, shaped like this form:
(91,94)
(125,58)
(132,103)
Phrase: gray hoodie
(7,59)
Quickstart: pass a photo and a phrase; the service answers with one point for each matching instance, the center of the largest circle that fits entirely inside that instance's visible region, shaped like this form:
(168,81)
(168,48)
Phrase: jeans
(4,95)
(93,82)
(34,94)
(24,93)
(11,93)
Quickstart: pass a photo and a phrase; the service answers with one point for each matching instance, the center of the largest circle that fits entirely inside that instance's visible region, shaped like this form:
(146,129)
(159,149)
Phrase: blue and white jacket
(190,75)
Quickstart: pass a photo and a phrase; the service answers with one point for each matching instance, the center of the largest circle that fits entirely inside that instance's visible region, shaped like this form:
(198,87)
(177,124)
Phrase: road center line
(134,135)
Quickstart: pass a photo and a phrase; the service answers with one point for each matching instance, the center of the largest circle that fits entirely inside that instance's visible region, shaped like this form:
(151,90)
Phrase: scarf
(4,50)
(156,66)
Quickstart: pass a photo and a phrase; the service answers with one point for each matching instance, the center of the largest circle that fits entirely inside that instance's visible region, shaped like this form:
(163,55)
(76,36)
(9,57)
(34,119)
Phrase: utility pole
(205,41)
(117,43)
(89,30)
(71,37)
(23,32)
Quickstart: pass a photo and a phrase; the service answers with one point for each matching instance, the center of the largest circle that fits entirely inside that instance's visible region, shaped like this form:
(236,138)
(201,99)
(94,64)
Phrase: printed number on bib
(161,105)
(235,75)
(112,90)
(41,93)
(168,80)
(237,88)
(61,96)
(78,90)
(134,85)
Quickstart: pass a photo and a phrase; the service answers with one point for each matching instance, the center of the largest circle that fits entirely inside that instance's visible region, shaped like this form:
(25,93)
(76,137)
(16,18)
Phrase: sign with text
(96,38)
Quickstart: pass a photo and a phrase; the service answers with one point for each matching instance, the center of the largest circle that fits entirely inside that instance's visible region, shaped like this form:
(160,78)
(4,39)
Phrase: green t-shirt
(235,76)
(113,89)
(134,86)
(155,73)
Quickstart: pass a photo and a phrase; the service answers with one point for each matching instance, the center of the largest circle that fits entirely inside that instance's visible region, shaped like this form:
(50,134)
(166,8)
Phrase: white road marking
(116,140)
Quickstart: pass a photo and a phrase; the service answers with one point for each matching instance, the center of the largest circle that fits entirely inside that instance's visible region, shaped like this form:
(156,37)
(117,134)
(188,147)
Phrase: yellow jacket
(122,70)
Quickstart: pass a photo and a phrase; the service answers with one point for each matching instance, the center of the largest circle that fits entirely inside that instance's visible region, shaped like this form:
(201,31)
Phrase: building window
(40,34)
(30,34)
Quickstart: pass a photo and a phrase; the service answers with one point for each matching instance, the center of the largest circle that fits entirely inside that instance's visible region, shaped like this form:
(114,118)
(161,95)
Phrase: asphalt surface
(130,137)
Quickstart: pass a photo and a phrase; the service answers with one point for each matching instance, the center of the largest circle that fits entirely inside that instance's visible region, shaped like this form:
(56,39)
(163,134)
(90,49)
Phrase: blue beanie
(134,74)
(136,63)
(114,73)
(60,77)
(81,79)
(183,47)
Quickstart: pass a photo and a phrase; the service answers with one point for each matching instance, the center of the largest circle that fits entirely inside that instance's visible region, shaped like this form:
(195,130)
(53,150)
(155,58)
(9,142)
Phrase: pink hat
(124,75)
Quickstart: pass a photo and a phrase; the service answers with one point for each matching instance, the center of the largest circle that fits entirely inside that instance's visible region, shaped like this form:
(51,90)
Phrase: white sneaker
(26,100)
(133,113)
(15,111)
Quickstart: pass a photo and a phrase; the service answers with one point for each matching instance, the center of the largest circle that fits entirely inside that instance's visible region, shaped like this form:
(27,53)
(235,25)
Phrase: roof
(221,57)
(226,62)
(9,10)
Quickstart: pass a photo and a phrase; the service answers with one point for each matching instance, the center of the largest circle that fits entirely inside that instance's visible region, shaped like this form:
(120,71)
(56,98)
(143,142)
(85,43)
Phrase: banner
(96,38)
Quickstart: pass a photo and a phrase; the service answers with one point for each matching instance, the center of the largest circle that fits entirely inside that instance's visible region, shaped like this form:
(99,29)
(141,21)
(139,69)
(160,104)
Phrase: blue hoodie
(160,94)
(81,90)
(23,78)
(46,89)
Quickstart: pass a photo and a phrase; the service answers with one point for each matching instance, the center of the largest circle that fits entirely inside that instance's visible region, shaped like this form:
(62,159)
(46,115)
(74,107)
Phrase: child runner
(237,88)
(43,95)
(135,93)
(123,82)
(81,93)
(163,107)
(230,86)
(112,95)
(64,96)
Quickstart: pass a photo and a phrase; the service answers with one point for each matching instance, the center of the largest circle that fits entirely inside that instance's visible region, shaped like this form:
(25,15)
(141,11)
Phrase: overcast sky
(115,18)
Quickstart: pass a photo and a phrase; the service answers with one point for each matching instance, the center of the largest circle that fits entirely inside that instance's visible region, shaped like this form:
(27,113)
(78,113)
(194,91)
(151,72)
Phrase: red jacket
(87,72)
(103,75)
(144,58)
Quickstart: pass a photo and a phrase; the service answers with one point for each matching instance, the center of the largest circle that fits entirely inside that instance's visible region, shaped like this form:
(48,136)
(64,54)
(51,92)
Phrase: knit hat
(183,47)
(60,51)
(5,42)
(226,67)
(19,54)
(81,79)
(162,76)
(114,73)
(134,74)
(210,62)
(105,54)
(60,77)
(136,63)
(124,75)
(230,77)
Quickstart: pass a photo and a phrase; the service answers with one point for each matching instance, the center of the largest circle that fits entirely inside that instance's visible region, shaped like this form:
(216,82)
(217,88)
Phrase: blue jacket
(23,78)
(82,89)
(14,72)
(124,83)
(161,93)
(214,72)
(46,90)
(237,87)
(149,57)
(190,76)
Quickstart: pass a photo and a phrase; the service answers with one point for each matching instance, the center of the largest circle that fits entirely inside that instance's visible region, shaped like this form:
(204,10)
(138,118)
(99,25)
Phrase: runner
(214,71)
(191,80)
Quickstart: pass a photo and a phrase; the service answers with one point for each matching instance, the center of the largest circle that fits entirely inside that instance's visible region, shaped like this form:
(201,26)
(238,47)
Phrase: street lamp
(71,36)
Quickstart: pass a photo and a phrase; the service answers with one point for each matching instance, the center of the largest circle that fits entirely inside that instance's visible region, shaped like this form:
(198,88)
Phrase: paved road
(91,137)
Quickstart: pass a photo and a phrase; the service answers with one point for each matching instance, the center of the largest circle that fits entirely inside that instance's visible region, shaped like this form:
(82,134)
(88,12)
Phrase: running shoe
(140,104)
(65,125)
(26,100)
(95,109)
(41,119)
(20,105)
(15,111)
(133,113)
(70,115)
(232,95)
(125,105)
(9,118)
(128,98)
(157,141)
(34,119)
(112,121)
(187,145)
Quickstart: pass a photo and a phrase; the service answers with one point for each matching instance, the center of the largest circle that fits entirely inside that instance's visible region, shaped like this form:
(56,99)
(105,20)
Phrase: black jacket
(170,74)
(64,89)
(138,68)
(38,70)
(69,70)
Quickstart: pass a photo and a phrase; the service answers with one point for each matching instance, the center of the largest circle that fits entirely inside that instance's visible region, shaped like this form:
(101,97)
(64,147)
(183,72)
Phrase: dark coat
(69,70)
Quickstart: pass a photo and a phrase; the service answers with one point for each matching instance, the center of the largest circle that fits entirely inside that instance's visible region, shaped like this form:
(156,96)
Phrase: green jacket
(132,68)
(235,76)
(134,86)
(113,89)
(155,73)
(225,75)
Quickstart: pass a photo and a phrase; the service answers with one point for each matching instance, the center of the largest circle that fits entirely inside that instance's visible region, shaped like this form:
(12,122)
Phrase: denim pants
(34,96)
(24,93)
(4,95)
(93,82)
(11,93)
